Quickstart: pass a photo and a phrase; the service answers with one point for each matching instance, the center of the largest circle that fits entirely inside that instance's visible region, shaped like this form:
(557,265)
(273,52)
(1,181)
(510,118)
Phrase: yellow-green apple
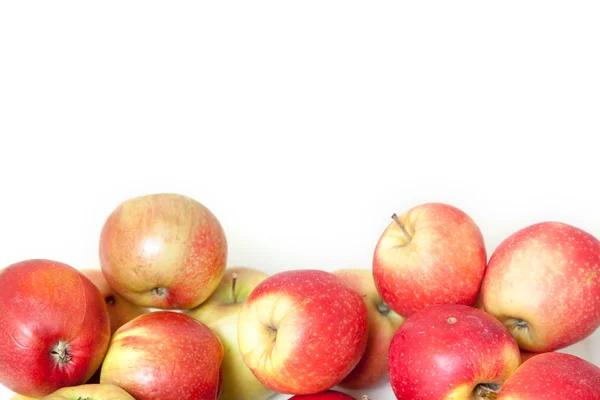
(383,323)
(220,313)
(302,331)
(164,355)
(434,253)
(328,395)
(90,392)
(120,310)
(451,351)
(54,327)
(543,284)
(553,375)
(163,251)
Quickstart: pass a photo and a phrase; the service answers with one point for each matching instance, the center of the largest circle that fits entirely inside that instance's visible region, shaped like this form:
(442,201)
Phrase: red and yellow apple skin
(163,251)
(302,331)
(553,376)
(164,355)
(328,395)
(432,254)
(383,323)
(543,284)
(54,327)
(90,392)
(451,351)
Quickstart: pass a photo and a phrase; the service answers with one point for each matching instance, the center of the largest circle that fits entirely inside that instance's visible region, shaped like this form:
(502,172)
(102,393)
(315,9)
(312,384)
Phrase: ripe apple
(164,355)
(120,310)
(432,254)
(526,355)
(553,376)
(543,284)
(328,395)
(90,392)
(451,351)
(54,327)
(383,323)
(302,331)
(163,251)
(220,313)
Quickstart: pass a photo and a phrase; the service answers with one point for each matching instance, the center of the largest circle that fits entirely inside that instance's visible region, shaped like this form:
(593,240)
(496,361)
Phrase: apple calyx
(407,235)
(159,292)
(60,353)
(84,398)
(110,300)
(383,308)
(234,277)
(487,391)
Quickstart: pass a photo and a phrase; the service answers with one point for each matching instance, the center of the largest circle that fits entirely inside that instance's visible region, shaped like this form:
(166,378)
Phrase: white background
(302,126)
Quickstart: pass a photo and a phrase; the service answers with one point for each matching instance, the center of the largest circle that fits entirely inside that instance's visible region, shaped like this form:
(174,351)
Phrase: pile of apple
(163,318)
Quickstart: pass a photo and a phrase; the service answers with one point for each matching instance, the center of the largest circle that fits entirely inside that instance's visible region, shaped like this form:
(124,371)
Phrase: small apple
(553,376)
(164,355)
(90,392)
(302,331)
(328,395)
(163,251)
(383,323)
(543,284)
(451,351)
(220,313)
(54,327)
(432,254)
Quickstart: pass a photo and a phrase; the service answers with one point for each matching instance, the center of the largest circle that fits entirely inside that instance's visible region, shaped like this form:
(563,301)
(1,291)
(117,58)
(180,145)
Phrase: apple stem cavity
(402,227)
(383,308)
(487,391)
(60,353)
(234,277)
(521,324)
(159,291)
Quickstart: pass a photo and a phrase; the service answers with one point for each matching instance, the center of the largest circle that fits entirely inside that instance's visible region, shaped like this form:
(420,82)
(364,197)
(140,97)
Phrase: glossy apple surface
(302,331)
(163,251)
(90,392)
(451,352)
(553,376)
(54,327)
(164,355)
(432,254)
(383,323)
(221,313)
(543,283)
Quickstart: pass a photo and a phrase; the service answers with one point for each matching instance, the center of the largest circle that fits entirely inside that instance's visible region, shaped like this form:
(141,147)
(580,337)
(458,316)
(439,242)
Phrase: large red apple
(553,376)
(432,254)
(54,327)
(328,395)
(302,331)
(543,284)
(90,392)
(163,251)
(451,351)
(164,355)
(383,323)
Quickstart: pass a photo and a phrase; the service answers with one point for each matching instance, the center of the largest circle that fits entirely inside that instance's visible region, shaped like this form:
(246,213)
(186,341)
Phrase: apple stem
(401,225)
(383,308)
(60,353)
(487,391)
(234,277)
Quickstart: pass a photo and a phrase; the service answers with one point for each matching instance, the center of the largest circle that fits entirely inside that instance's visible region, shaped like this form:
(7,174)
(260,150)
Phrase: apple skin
(383,323)
(164,355)
(526,355)
(91,392)
(302,331)
(553,376)
(120,310)
(441,245)
(449,351)
(163,250)
(221,313)
(54,327)
(543,284)
(328,395)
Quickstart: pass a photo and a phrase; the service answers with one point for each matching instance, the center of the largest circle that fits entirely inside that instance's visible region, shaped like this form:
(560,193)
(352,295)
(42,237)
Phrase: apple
(54,327)
(120,310)
(383,323)
(220,313)
(432,254)
(163,250)
(164,355)
(19,397)
(543,284)
(553,376)
(328,395)
(302,331)
(451,351)
(90,392)
(526,355)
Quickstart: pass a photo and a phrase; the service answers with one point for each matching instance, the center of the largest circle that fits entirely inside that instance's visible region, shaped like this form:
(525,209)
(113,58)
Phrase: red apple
(432,254)
(164,355)
(543,284)
(163,251)
(383,323)
(451,351)
(90,392)
(553,376)
(302,331)
(120,310)
(328,395)
(526,355)
(54,327)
